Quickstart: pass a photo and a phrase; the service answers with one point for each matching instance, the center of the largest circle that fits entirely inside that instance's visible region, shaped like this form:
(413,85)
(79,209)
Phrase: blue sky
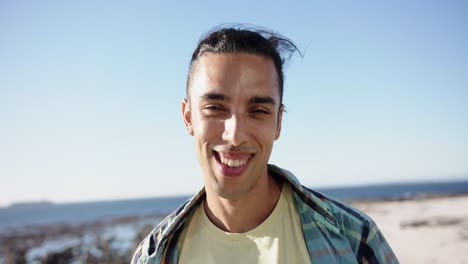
(90,94)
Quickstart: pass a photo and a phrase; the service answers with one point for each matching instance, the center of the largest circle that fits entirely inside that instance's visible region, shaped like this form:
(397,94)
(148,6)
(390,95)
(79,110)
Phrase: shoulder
(161,237)
(333,212)
(151,242)
(362,233)
(318,211)
(346,215)
(361,230)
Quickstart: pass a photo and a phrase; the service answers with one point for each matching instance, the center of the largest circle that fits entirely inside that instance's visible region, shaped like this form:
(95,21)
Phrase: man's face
(234,113)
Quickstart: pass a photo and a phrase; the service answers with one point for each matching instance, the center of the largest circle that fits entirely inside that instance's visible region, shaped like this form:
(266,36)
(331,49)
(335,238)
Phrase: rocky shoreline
(431,229)
(102,241)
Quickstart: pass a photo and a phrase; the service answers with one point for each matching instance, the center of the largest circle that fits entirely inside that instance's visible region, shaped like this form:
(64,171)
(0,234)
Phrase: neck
(243,213)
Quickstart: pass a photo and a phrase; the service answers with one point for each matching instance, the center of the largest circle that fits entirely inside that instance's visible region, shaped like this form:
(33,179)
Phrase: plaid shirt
(333,231)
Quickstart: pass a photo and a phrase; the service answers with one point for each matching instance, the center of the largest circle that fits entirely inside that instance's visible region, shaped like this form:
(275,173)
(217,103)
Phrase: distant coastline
(44,212)
(398,191)
(31,204)
(375,192)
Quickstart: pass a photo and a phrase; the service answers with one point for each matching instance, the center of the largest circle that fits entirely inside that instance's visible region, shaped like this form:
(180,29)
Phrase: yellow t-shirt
(278,239)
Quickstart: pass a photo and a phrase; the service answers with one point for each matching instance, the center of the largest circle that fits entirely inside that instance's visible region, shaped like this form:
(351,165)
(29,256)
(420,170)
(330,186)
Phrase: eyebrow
(253,100)
(262,100)
(214,96)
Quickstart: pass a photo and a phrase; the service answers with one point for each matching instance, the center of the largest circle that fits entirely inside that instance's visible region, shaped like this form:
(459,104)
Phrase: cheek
(207,130)
(264,132)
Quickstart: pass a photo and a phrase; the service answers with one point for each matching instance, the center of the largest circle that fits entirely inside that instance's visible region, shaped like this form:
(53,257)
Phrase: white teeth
(232,163)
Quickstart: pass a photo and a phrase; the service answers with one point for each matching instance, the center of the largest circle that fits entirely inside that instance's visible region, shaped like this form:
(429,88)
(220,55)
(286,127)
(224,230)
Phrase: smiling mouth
(232,164)
(230,161)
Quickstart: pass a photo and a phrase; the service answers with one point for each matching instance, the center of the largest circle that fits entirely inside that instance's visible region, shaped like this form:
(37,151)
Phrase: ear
(279,122)
(187,115)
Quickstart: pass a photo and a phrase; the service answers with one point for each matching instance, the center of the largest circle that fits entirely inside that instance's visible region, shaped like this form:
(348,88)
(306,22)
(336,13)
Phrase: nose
(235,130)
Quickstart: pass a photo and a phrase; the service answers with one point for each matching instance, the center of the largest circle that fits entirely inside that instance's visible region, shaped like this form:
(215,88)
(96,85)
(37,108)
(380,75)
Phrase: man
(250,211)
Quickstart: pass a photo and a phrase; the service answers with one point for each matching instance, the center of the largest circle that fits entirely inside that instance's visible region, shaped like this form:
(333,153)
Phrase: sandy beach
(424,230)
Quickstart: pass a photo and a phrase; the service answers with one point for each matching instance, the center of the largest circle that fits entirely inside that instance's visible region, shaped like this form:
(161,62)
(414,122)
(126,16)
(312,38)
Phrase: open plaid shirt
(333,231)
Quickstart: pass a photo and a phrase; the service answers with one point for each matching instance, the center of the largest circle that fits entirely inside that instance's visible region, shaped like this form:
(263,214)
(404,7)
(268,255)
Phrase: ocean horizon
(46,213)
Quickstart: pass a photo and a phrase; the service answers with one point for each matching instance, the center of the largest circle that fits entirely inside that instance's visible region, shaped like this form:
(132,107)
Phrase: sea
(78,213)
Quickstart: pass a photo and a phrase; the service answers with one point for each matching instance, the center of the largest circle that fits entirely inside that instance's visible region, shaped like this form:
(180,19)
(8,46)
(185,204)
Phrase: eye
(213,109)
(258,112)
